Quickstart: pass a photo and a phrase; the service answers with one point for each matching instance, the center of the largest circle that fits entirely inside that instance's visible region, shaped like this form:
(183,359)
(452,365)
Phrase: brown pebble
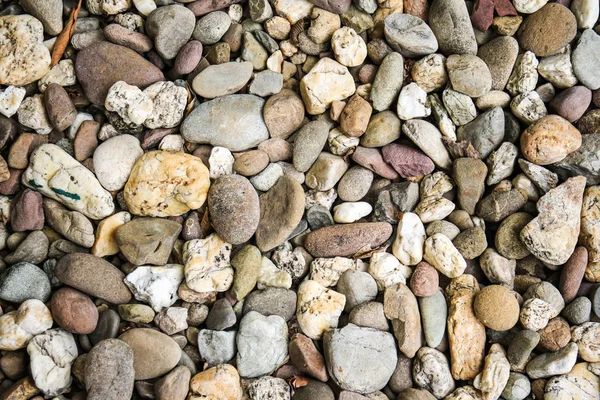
(572,102)
(496,307)
(355,116)
(547,30)
(251,162)
(86,140)
(277,149)
(305,356)
(188,57)
(555,336)
(27,213)
(14,364)
(24,145)
(21,390)
(74,311)
(425,280)
(346,240)
(134,40)
(13,184)
(572,274)
(59,107)
(372,159)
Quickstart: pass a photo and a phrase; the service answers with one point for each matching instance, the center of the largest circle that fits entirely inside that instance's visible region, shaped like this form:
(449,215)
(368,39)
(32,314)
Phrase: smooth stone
(34,249)
(469,176)
(74,311)
(314,389)
(221,316)
(242,129)
(327,242)
(358,287)
(388,82)
(56,174)
(234,208)
(109,371)
(572,274)
(557,363)
(211,28)
(500,55)
(48,12)
(372,159)
(154,353)
(264,336)
(26,212)
(407,161)
(450,22)
(107,326)
(433,310)
(222,79)
(429,139)
(170,27)
(585,58)
(94,276)
(351,346)
(572,102)
(369,315)
(548,30)
(305,356)
(147,240)
(188,57)
(485,132)
(266,83)
(24,281)
(217,347)
(309,141)
(59,107)
(122,36)
(174,385)
(101,65)
(283,113)
(221,382)
(272,301)
(383,128)
(578,311)
(549,140)
(114,159)
(401,307)
(409,35)
(497,308)
(507,241)
(469,75)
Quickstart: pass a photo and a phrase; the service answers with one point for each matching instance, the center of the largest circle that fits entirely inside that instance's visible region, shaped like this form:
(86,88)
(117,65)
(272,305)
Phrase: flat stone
(548,364)
(469,176)
(207,266)
(217,347)
(24,281)
(222,382)
(433,310)
(272,301)
(101,65)
(109,370)
(154,353)
(401,307)
(147,240)
(429,139)
(500,55)
(241,114)
(174,385)
(388,82)
(283,113)
(485,133)
(327,242)
(409,35)
(222,79)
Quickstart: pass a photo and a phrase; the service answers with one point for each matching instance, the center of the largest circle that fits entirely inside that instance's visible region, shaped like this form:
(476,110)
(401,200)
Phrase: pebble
(306,357)
(269,387)
(156,286)
(441,254)
(33,249)
(494,377)
(97,77)
(409,35)
(548,364)
(174,385)
(579,382)
(430,72)
(154,353)
(558,69)
(351,211)
(431,372)
(357,236)
(388,82)
(188,57)
(367,344)
(450,22)
(499,55)
(283,114)
(572,274)
(496,307)
(211,28)
(383,128)
(74,311)
(94,276)
(217,347)
(578,311)
(207,266)
(51,355)
(387,270)
(272,301)
(26,58)
(114,159)
(355,116)
(528,107)
(267,336)
(507,241)
(136,313)
(18,327)
(358,287)
(584,57)
(110,361)
(349,48)
(318,308)
(170,27)
(158,238)
(325,172)
(462,70)
(355,183)
(412,102)
(547,31)
(434,312)
(429,139)
(31,114)
(27,213)
(326,82)
(10,100)
(410,238)
(500,204)
(222,382)
(401,307)
(24,281)
(222,79)
(501,163)
(105,242)
(310,140)
(424,281)
(459,107)
(469,176)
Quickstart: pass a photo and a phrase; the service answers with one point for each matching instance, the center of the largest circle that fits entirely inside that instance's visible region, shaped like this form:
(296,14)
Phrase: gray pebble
(272,301)
(221,316)
(578,311)
(369,315)
(358,287)
(24,281)
(211,28)
(216,347)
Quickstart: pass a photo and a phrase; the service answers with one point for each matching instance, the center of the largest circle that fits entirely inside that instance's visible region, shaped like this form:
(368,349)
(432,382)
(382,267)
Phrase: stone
(308,144)
(33,249)
(188,57)
(382,129)
(10,100)
(558,69)
(496,370)
(410,238)
(458,106)
(18,327)
(207,266)
(27,213)
(51,355)
(358,287)
(114,159)
(169,103)
(306,357)
(564,204)
(372,159)
(120,35)
(136,313)
(349,48)
(283,113)
(485,133)
(349,348)
(57,175)
(234,208)
(429,139)
(245,127)
(528,107)
(388,82)
(524,76)
(412,102)
(462,70)
(547,292)
(31,114)
(548,30)
(326,242)
(74,311)
(572,273)
(496,307)
(217,347)
(132,105)
(355,183)
(387,270)
(507,241)
(578,311)
(441,253)
(99,66)
(355,116)
(469,176)
(162,198)
(24,57)
(409,35)
(424,280)
(272,301)
(579,382)
(24,281)
(170,27)
(222,79)
(400,306)
(318,308)
(548,364)
(431,372)
(266,83)
(222,382)
(499,55)
(267,336)
(501,163)
(156,286)
(147,240)
(105,242)
(172,320)
(109,370)
(500,204)
(584,57)
(71,224)
(572,102)
(154,353)
(450,22)
(466,335)
(434,312)
(326,82)
(267,177)
(277,222)
(585,336)
(174,385)
(535,314)
(211,28)
(94,276)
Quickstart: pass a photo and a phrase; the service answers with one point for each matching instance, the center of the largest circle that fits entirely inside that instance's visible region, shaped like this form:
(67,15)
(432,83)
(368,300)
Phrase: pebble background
(300,199)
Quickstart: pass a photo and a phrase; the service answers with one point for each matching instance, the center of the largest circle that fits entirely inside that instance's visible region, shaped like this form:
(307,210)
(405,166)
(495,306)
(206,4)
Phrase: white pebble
(10,100)
(32,114)
(410,238)
(220,162)
(412,102)
(133,105)
(145,7)
(351,211)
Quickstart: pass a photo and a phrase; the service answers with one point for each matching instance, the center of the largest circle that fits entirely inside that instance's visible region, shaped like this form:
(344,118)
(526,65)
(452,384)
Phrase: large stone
(222,79)
(234,122)
(74,311)
(388,81)
(217,347)
(451,24)
(154,353)
(262,344)
(56,174)
(51,355)
(401,307)
(94,276)
(283,113)
(109,371)
(326,82)
(579,383)
(548,30)
(101,65)
(221,382)
(559,217)
(351,353)
(183,184)
(23,57)
(281,209)
(584,161)
(590,232)
(346,240)
(560,362)
(586,59)
(432,372)
(409,35)
(147,240)
(73,225)
(170,27)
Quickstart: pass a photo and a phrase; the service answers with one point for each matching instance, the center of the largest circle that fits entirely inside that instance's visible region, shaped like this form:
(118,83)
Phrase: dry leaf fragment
(65,36)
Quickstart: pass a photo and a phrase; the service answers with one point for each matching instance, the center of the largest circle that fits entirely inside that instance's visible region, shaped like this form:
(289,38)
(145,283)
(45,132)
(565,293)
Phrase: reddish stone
(572,103)
(371,159)
(27,213)
(483,12)
(13,184)
(572,274)
(305,356)
(86,140)
(425,280)
(202,7)
(74,311)
(417,8)
(408,162)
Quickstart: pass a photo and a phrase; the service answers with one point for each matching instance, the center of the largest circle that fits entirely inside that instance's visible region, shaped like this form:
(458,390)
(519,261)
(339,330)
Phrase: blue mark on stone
(35,185)
(72,196)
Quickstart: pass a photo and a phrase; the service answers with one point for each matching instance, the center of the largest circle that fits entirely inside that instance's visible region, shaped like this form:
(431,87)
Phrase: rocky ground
(299,199)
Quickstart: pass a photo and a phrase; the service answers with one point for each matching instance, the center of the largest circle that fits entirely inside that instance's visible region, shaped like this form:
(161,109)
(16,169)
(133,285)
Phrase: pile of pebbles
(300,199)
